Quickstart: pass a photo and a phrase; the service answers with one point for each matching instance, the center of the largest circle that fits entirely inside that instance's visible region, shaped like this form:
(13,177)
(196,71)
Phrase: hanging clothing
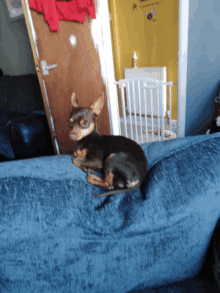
(71,10)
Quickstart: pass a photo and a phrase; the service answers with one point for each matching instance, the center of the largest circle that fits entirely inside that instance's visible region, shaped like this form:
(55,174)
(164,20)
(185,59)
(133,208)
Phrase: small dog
(120,159)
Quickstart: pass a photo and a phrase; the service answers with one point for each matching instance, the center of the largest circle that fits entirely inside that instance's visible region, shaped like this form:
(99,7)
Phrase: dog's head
(83,120)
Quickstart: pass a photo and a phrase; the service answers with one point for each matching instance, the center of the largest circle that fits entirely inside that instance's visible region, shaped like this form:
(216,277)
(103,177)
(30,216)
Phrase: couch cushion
(30,136)
(5,143)
(54,238)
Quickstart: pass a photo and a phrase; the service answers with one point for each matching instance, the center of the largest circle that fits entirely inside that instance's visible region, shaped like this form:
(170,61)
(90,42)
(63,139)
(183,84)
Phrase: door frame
(183,25)
(182,66)
(101,33)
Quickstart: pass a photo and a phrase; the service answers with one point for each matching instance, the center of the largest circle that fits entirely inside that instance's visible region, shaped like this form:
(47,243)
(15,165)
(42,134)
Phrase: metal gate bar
(138,123)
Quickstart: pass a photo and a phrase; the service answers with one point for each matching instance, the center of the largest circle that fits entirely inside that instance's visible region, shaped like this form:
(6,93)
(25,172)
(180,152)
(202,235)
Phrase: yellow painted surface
(155,40)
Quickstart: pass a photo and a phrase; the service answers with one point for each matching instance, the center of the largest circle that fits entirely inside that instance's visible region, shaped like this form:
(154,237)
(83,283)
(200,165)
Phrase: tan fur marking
(109,178)
(87,131)
(111,156)
(81,154)
(79,133)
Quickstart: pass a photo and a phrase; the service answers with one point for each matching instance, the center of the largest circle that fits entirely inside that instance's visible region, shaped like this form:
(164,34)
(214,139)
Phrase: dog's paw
(90,179)
(88,171)
(75,161)
(94,180)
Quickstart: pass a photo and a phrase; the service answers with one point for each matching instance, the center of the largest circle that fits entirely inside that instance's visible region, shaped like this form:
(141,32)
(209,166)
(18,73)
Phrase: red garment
(53,10)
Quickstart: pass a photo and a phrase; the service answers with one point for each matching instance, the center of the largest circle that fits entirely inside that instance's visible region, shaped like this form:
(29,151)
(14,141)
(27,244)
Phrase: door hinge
(46,67)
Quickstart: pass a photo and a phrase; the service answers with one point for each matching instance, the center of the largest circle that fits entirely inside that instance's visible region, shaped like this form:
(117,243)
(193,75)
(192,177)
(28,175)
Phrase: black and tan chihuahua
(120,159)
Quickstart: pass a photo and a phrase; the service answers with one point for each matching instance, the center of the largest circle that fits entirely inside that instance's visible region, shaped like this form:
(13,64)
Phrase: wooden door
(78,69)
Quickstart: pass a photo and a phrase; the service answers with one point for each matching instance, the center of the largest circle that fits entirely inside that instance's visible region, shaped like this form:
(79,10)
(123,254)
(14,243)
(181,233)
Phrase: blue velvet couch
(56,237)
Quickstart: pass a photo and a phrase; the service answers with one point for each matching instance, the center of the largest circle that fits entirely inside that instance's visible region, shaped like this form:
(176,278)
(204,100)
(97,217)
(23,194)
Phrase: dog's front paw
(88,171)
(89,179)
(97,181)
(93,179)
(75,161)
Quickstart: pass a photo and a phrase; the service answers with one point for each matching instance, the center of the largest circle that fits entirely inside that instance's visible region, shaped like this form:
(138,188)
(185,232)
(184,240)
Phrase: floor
(147,136)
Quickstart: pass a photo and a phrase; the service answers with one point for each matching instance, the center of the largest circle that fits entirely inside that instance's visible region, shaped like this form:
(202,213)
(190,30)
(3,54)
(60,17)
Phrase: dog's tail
(110,192)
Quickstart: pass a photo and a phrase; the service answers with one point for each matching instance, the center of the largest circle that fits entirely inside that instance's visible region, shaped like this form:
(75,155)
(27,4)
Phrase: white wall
(203,68)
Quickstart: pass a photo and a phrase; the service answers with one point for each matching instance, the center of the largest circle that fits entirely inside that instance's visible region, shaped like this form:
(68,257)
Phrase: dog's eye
(84,124)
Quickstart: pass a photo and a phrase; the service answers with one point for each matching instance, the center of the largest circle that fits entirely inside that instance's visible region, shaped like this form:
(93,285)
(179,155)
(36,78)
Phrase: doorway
(158,33)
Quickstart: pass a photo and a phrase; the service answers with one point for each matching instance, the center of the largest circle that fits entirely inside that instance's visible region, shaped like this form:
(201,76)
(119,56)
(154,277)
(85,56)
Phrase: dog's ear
(74,101)
(98,105)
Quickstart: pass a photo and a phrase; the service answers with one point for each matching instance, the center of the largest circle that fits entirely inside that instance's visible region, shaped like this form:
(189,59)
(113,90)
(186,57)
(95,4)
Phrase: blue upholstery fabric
(54,239)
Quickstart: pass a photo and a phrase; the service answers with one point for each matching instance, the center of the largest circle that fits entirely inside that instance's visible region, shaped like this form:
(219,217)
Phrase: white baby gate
(145,117)
(158,73)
